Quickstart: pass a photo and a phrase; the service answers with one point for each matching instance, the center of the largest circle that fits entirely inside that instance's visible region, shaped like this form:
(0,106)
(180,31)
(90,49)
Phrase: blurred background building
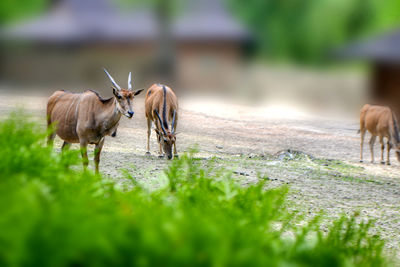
(71,43)
(260,50)
(383,55)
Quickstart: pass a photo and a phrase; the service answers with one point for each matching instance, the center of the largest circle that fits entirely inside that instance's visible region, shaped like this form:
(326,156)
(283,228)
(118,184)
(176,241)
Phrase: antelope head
(166,137)
(124,97)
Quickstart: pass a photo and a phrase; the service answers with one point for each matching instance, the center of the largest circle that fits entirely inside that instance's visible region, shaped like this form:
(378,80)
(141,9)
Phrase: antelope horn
(161,123)
(112,80)
(130,81)
(173,122)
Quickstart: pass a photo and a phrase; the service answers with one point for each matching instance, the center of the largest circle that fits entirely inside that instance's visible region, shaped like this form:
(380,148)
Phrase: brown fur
(87,118)
(381,122)
(154,103)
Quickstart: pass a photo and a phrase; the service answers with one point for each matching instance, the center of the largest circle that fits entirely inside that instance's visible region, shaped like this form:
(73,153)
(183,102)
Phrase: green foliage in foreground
(52,215)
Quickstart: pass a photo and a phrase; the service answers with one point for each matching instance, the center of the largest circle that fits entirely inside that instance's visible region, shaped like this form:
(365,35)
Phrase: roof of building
(100,20)
(382,48)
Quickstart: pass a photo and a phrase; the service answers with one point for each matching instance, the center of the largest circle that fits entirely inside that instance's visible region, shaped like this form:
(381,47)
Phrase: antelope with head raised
(86,118)
(379,121)
(161,105)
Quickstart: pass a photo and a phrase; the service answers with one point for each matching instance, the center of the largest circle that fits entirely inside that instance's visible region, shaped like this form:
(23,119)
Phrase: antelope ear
(116,92)
(138,91)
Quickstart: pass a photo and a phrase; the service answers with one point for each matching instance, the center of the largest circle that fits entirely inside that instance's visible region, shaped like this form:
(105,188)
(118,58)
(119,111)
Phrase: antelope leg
(97,151)
(50,138)
(65,146)
(371,147)
(160,155)
(362,132)
(382,148)
(175,152)
(85,159)
(148,136)
(389,146)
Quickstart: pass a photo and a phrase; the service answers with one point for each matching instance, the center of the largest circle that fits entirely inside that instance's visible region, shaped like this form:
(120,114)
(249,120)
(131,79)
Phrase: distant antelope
(160,99)
(379,121)
(87,118)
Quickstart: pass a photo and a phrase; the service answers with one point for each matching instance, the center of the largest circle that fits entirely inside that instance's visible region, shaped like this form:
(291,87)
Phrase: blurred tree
(165,11)
(306,30)
(166,51)
(11,10)
(388,13)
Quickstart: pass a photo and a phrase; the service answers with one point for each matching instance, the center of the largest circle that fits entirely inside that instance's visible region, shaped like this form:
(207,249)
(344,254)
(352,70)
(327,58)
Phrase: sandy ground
(246,140)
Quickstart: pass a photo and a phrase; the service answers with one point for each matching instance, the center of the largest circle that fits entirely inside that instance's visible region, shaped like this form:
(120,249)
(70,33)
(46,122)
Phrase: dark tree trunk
(166,51)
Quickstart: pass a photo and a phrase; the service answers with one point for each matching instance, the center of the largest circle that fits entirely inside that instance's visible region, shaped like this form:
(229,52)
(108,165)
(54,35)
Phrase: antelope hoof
(176,156)
(372,162)
(361,161)
(161,156)
(388,163)
(148,153)
(383,162)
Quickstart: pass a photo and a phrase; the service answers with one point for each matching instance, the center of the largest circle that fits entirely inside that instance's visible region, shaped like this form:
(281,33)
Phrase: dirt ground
(249,141)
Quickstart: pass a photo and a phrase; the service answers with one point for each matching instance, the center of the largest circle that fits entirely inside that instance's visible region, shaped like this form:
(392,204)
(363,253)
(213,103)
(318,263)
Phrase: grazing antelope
(86,118)
(160,99)
(379,121)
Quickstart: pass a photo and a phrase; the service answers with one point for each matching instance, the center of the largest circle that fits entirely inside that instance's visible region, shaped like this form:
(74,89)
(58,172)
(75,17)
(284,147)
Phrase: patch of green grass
(55,215)
(337,165)
(341,170)
(359,180)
